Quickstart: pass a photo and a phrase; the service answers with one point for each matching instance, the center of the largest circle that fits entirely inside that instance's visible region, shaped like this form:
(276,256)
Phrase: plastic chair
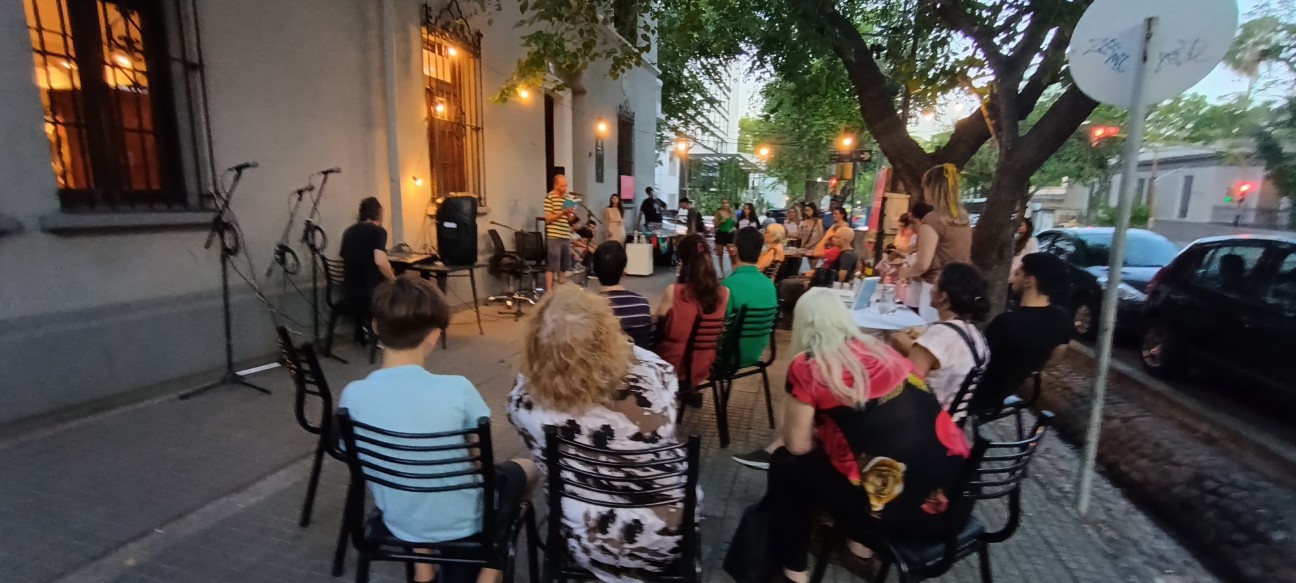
(994,471)
(659,476)
(399,461)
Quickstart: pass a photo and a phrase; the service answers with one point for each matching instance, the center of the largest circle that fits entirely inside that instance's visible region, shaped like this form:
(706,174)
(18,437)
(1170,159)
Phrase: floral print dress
(616,544)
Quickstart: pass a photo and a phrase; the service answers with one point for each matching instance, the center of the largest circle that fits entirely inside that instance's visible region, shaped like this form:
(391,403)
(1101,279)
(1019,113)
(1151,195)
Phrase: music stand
(230,247)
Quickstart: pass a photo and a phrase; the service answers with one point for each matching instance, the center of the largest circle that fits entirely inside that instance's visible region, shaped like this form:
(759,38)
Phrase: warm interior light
(453,52)
(602,127)
(440,108)
(123,60)
(418,181)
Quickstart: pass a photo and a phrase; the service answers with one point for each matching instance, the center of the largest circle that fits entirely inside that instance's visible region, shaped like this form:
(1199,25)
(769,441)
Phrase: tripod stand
(230,247)
(316,240)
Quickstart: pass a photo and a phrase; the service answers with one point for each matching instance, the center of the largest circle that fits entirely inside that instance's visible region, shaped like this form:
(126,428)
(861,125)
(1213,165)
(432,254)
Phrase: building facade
(108,178)
(1202,184)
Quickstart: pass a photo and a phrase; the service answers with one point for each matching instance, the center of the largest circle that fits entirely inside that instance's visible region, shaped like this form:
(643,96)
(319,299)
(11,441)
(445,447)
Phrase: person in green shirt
(751,288)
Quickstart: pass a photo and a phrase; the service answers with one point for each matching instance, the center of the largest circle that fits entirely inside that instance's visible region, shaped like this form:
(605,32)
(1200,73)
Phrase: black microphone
(333,170)
(244,166)
(305,189)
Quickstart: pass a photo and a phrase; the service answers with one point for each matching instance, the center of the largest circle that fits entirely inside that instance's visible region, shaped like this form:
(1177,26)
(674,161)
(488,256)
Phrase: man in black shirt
(651,209)
(693,219)
(364,263)
(1024,340)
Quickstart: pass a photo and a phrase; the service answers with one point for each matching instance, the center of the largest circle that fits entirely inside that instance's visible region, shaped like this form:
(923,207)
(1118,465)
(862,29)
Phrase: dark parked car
(1087,250)
(779,215)
(1227,303)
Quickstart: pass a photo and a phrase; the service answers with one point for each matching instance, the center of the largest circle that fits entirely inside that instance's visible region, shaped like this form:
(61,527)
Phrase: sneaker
(759,459)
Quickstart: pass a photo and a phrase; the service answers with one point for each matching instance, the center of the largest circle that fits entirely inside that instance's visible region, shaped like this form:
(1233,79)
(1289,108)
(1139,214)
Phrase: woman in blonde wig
(864,439)
(583,376)
(944,236)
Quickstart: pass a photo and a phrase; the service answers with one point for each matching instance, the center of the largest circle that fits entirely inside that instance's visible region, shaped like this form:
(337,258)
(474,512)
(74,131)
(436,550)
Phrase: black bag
(751,555)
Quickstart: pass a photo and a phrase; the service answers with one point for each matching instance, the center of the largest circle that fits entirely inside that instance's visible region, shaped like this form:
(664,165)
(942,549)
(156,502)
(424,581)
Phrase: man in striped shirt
(558,219)
(630,308)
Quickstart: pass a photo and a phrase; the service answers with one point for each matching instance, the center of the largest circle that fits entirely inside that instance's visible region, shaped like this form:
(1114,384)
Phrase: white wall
(1210,185)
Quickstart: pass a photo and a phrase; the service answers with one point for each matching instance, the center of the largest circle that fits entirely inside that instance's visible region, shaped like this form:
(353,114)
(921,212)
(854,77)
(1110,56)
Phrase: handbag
(750,558)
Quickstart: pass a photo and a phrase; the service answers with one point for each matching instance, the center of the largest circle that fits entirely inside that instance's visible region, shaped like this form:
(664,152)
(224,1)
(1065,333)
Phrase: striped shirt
(632,310)
(559,229)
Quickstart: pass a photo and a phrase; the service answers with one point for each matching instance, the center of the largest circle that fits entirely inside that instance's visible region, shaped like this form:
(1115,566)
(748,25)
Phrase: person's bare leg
(532,476)
(797,576)
(548,281)
(424,572)
(859,550)
(777,443)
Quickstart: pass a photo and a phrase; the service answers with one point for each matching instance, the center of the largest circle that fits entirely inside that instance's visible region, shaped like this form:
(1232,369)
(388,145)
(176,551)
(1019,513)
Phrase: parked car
(779,215)
(1228,304)
(1087,251)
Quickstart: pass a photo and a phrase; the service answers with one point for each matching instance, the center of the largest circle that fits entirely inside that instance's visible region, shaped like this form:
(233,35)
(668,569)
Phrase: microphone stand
(230,247)
(284,256)
(316,240)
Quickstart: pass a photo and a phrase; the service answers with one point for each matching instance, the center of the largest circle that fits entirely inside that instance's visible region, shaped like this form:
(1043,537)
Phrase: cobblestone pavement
(209,490)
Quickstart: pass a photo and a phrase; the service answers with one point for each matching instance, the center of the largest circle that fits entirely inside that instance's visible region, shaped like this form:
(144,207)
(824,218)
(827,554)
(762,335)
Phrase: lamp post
(682,147)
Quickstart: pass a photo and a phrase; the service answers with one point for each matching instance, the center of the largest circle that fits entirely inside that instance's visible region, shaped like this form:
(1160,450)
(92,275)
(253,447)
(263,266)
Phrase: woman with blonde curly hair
(583,376)
(775,239)
(944,235)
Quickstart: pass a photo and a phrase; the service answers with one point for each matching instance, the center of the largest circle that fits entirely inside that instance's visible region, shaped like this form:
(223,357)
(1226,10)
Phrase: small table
(873,319)
(443,273)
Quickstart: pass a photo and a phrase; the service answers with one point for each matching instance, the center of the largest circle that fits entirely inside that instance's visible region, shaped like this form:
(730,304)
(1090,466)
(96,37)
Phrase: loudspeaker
(457,230)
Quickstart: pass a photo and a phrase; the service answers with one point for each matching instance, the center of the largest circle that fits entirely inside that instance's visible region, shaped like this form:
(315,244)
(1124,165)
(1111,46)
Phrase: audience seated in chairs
(612,397)
(866,440)
(696,296)
(773,256)
(946,352)
(839,264)
(630,308)
(1023,341)
(405,398)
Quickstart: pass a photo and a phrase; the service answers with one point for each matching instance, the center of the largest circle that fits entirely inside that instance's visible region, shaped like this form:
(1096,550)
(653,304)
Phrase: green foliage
(709,185)
(1105,215)
(1275,142)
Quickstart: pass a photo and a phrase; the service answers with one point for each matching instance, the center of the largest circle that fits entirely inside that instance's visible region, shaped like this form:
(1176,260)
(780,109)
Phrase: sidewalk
(210,489)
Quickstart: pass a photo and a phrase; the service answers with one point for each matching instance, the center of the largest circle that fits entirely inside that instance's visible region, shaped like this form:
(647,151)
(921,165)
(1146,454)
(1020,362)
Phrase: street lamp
(601,127)
(846,141)
(682,146)
(763,152)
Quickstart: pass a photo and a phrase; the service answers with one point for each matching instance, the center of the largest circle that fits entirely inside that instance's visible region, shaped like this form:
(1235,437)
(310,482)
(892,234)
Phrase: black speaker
(457,230)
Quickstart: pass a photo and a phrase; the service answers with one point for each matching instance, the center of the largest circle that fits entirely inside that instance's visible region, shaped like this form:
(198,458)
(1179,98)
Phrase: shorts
(559,258)
(723,239)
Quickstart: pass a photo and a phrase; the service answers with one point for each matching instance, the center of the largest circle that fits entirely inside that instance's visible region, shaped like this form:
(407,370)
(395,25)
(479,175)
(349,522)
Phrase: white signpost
(1134,53)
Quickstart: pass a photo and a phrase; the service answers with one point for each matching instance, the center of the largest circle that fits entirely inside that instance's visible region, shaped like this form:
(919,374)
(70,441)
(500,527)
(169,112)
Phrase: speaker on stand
(456,221)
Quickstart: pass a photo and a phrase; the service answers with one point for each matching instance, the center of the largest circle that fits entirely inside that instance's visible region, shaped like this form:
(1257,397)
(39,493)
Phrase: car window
(1282,290)
(1229,269)
(1060,246)
(1141,249)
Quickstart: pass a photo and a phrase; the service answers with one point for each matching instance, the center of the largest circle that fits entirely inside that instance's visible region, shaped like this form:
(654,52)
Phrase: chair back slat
(746,323)
(772,270)
(303,366)
(706,335)
(622,479)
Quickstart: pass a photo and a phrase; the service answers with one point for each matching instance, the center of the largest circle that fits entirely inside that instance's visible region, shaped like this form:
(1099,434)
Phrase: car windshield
(1141,249)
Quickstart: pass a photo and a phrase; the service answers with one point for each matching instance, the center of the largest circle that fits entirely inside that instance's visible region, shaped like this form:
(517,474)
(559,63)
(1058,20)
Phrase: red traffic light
(1100,133)
(1246,187)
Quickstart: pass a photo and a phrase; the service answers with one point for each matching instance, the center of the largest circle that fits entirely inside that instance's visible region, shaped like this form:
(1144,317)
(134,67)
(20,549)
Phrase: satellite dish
(1190,37)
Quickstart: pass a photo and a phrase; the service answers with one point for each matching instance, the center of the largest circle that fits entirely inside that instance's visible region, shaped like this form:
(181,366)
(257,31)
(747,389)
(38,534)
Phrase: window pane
(126,75)
(1229,269)
(1282,292)
(453,94)
(59,80)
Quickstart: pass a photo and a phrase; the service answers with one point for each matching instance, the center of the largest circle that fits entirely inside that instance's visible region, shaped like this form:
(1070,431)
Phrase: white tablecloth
(872,319)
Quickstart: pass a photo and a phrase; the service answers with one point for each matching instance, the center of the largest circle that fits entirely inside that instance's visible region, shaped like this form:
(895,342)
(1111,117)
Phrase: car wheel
(1085,320)
(1160,352)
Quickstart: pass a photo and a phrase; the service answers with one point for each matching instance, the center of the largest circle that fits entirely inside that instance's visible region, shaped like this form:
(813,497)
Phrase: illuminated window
(452,86)
(106,81)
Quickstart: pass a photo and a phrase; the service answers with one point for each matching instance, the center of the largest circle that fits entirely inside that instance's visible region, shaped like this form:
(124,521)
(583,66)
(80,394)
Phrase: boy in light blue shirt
(409,316)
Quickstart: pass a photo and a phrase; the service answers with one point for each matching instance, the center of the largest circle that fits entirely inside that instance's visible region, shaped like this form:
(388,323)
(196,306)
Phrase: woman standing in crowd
(944,236)
(725,225)
(697,291)
(793,222)
(905,235)
(748,217)
(618,397)
(1026,243)
(614,220)
(947,351)
(812,231)
(865,439)
(912,293)
(775,238)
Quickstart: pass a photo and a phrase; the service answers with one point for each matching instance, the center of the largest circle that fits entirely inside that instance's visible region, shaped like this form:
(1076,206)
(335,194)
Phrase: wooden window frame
(452,86)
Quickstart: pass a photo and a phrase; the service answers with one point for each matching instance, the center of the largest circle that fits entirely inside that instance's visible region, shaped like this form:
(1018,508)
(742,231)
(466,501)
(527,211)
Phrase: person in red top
(697,291)
(865,439)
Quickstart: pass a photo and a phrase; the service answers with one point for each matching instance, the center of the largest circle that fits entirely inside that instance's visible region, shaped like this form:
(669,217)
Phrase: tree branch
(1054,129)
(958,19)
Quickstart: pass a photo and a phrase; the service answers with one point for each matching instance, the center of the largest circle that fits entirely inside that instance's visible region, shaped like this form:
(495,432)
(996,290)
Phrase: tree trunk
(992,241)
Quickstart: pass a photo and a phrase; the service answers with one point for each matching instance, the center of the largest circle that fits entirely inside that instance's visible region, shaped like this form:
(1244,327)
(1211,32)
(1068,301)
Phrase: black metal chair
(771,271)
(514,268)
(662,476)
(748,323)
(417,463)
(995,470)
(334,297)
(531,248)
(643,336)
(309,382)
(1013,405)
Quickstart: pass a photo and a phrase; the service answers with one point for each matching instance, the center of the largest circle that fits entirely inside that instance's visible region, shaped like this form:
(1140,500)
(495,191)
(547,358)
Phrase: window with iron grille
(121,84)
(452,86)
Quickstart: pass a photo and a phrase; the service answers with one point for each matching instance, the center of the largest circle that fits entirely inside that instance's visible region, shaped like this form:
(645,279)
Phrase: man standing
(651,209)
(1026,339)
(692,219)
(558,219)
(364,264)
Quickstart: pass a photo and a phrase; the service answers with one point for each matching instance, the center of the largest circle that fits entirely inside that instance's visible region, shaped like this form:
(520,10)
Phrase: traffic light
(1099,133)
(1238,193)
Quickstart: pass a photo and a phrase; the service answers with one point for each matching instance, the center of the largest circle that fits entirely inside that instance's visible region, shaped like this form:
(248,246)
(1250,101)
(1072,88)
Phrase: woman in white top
(793,222)
(1026,243)
(614,220)
(948,350)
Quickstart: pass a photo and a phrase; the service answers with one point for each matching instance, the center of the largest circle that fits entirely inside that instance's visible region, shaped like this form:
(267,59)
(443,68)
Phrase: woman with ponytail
(944,236)
(947,351)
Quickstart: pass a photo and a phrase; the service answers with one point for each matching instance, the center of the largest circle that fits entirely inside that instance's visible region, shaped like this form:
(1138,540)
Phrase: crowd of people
(866,432)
